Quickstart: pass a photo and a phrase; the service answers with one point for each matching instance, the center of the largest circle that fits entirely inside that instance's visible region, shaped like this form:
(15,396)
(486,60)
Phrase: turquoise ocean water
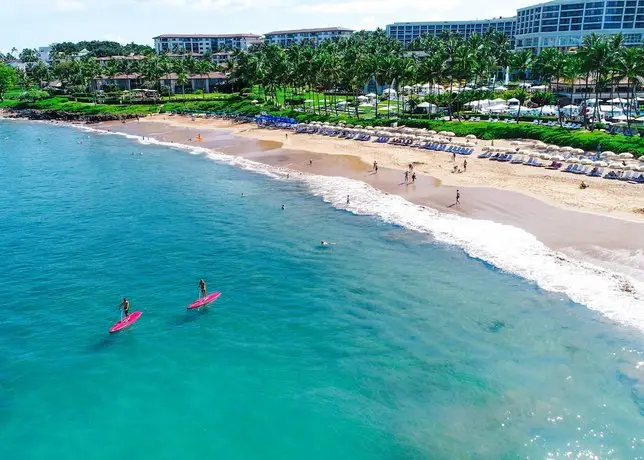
(387,345)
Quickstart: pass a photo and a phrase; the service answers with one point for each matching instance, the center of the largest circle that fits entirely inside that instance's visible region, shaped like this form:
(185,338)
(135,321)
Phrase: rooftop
(472,21)
(299,31)
(206,36)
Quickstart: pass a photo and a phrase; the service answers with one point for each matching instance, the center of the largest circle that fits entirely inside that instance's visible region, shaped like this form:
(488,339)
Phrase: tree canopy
(98,48)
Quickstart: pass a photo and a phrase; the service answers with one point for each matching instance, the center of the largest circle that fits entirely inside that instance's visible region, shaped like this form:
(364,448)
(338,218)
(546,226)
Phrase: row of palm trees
(77,75)
(448,60)
(346,65)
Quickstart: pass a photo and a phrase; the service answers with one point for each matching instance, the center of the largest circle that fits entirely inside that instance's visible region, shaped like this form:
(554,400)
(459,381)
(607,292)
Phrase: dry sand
(615,198)
(489,190)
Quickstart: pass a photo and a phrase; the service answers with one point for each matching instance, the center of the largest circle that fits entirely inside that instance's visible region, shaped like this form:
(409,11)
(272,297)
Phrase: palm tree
(522,61)
(204,67)
(629,64)
(596,55)
(572,72)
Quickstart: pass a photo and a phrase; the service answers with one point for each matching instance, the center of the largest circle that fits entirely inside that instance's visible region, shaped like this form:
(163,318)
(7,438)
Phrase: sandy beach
(548,204)
(606,197)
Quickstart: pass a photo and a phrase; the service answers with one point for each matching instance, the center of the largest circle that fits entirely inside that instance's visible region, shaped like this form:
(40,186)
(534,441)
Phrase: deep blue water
(384,346)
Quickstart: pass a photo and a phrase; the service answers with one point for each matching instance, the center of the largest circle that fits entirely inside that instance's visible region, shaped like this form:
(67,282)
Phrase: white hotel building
(559,23)
(287,38)
(198,43)
(407,32)
(563,23)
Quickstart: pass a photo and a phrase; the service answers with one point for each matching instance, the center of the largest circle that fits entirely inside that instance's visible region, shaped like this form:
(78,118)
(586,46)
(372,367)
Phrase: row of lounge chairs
(591,171)
(567,125)
(449,148)
(626,176)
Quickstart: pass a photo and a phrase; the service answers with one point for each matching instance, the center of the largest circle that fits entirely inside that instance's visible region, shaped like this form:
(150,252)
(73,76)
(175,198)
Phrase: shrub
(33,95)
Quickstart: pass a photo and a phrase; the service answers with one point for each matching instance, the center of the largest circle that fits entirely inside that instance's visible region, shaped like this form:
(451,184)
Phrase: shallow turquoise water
(384,346)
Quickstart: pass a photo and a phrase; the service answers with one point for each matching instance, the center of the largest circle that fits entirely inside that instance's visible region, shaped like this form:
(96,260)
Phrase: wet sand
(595,237)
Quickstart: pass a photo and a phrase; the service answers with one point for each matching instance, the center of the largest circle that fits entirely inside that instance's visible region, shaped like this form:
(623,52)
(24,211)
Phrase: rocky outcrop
(34,114)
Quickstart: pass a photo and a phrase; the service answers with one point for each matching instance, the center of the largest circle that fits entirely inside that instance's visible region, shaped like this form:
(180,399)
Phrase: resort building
(197,43)
(102,61)
(559,23)
(209,82)
(563,23)
(407,32)
(287,38)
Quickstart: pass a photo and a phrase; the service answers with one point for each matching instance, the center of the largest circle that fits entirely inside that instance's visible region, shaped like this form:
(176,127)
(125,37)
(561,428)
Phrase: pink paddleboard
(204,301)
(125,322)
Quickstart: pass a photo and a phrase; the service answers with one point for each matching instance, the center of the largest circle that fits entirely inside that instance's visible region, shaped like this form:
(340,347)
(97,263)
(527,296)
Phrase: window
(592,26)
(613,25)
(549,29)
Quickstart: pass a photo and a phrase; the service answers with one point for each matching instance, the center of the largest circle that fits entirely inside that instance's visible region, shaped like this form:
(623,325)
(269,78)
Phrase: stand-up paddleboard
(204,301)
(125,322)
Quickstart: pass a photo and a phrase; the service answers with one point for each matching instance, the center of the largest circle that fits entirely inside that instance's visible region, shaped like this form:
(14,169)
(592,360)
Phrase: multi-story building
(563,23)
(289,37)
(197,43)
(407,32)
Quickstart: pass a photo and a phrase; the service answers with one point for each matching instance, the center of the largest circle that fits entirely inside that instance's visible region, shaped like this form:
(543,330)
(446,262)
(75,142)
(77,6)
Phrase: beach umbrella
(362,98)
(358,126)
(586,161)
(566,149)
(626,155)
(601,164)
(578,151)
(616,166)
(641,158)
(545,156)
(553,148)
(557,158)
(431,131)
(573,160)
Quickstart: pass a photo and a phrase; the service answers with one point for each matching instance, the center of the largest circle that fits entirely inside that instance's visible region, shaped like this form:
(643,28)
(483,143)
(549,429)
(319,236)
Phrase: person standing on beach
(347,199)
(464,165)
(406,177)
(413,177)
(310,162)
(286,134)
(375,166)
(458,196)
(454,157)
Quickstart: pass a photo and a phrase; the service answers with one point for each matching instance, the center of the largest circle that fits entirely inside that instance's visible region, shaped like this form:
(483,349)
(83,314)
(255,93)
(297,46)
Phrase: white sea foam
(617,294)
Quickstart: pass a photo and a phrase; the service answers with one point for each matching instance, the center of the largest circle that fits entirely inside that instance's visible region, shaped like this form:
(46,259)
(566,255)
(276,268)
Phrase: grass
(233,103)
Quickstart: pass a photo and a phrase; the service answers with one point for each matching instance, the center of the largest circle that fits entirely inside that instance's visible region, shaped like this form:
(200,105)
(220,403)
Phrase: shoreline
(595,260)
(553,187)
(564,229)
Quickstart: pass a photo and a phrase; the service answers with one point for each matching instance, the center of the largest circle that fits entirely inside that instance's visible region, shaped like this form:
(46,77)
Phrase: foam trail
(617,296)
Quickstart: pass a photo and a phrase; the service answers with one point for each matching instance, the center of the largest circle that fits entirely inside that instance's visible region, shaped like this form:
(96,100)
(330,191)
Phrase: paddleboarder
(125,305)
(202,287)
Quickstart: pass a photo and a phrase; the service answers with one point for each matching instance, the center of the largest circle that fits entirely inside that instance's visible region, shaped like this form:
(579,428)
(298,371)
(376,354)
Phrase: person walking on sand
(375,166)
(464,165)
(406,177)
(413,177)
(454,157)
(347,199)
(310,162)
(458,196)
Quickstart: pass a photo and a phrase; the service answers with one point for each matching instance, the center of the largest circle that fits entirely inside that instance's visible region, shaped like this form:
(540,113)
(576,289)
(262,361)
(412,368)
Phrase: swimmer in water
(326,243)
(282,207)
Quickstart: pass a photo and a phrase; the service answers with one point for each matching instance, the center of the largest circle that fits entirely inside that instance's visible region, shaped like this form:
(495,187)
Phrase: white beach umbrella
(601,164)
(362,98)
(566,149)
(545,156)
(553,148)
(371,95)
(641,158)
(431,131)
(616,166)
(573,160)
(578,151)
(626,155)
(586,161)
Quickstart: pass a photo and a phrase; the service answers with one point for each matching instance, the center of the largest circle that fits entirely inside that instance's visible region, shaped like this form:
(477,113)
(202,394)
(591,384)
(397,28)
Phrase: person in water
(125,305)
(202,287)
